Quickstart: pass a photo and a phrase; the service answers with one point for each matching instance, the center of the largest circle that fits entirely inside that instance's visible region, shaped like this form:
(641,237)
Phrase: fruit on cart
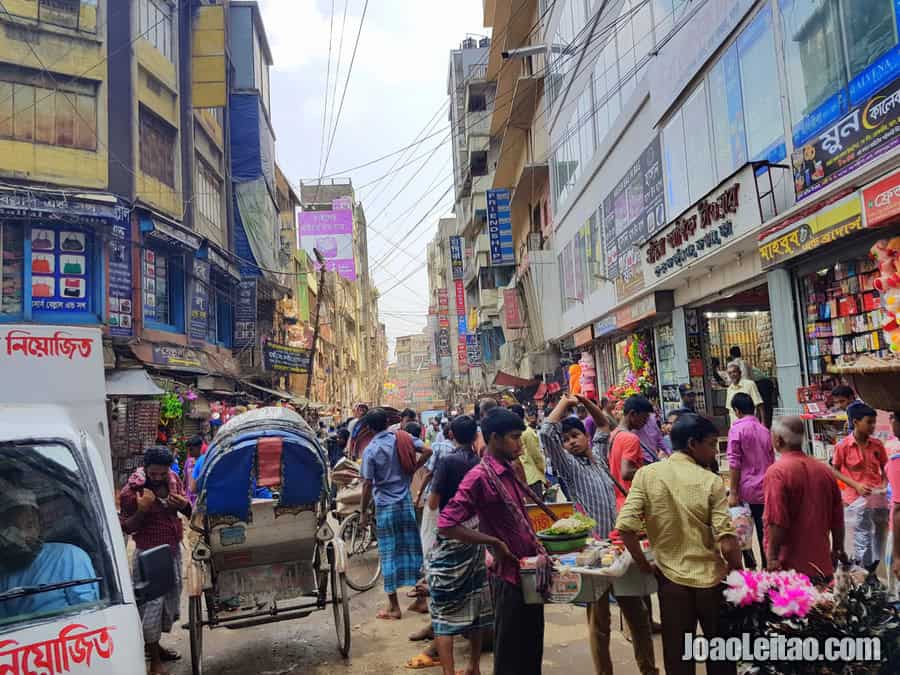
(577,523)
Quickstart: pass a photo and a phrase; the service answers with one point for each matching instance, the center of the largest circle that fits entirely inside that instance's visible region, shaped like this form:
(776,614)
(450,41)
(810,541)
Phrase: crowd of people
(450,498)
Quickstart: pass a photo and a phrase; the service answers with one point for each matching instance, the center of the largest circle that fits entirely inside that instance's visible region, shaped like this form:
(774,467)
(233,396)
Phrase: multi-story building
(718,170)
(334,223)
(410,376)
(516,63)
(449,372)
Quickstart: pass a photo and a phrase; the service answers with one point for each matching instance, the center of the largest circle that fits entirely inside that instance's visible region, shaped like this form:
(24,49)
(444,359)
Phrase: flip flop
(423,661)
(384,615)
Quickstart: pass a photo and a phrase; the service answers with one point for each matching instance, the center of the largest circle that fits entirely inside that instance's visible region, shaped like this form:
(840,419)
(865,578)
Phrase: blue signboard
(60,270)
(456,257)
(461,324)
(500,227)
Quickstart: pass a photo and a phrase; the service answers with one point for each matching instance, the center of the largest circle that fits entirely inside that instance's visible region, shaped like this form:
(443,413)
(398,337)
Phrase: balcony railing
(477,71)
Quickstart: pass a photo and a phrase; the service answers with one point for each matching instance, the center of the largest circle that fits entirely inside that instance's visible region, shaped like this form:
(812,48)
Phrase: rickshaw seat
(268,452)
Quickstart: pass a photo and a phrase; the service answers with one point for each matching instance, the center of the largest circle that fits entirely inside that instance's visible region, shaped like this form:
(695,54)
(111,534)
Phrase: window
(53,117)
(486,278)
(477,103)
(12,269)
(208,193)
(762,102)
(812,49)
(870,31)
(700,171)
(66,13)
(260,70)
(157,148)
(479,163)
(727,114)
(221,313)
(163,287)
(674,160)
(61,535)
(155,25)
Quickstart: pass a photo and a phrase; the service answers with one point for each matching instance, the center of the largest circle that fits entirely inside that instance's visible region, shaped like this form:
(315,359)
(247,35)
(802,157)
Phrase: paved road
(309,645)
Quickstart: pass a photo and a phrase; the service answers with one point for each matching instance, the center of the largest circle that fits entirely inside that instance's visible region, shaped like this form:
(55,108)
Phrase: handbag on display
(41,290)
(72,268)
(72,243)
(40,266)
(42,243)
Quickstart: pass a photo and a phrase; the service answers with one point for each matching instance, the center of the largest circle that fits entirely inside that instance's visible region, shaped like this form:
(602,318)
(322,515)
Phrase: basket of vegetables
(567,534)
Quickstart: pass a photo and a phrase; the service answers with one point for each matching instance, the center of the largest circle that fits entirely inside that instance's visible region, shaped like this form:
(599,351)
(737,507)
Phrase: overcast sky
(398,85)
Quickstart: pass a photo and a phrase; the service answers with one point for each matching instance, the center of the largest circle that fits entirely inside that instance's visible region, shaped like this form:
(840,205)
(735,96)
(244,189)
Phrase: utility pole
(315,337)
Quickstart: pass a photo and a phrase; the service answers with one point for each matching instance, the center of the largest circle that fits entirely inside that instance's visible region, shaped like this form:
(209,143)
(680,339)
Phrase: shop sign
(283,359)
(500,227)
(219,261)
(55,208)
(867,131)
(443,339)
(245,314)
(461,324)
(473,351)
(824,227)
(176,357)
(456,257)
(633,211)
(60,273)
(199,323)
(634,312)
(512,310)
(881,200)
(723,214)
(460,297)
(583,336)
(605,326)
(120,300)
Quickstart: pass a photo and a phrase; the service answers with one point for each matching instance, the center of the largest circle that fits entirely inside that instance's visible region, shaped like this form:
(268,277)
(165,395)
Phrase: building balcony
(478,125)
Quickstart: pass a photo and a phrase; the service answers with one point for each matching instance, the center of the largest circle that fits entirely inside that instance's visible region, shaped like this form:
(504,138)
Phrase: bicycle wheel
(363,561)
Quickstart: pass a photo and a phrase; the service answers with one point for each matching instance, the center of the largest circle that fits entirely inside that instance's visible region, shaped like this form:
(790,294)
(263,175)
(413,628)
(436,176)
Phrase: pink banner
(331,232)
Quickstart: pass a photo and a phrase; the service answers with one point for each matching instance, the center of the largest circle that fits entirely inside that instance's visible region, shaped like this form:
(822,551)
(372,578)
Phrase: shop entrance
(741,321)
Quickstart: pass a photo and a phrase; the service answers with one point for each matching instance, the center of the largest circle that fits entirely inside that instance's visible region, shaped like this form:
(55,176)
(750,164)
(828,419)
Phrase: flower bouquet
(638,378)
(787,605)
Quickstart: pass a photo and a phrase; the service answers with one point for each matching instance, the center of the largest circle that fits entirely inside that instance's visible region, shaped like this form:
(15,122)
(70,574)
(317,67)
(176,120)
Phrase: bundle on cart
(788,607)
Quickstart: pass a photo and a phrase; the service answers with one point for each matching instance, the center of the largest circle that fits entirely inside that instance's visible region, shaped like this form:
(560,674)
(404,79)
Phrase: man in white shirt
(741,385)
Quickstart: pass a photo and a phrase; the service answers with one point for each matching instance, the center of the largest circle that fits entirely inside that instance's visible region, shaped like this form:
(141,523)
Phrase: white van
(67,604)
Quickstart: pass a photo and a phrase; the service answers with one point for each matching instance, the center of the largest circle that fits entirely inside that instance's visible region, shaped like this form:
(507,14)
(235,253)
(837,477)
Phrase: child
(859,461)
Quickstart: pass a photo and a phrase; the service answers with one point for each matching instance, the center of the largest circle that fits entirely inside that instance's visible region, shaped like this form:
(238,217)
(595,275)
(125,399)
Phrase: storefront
(838,311)
(52,253)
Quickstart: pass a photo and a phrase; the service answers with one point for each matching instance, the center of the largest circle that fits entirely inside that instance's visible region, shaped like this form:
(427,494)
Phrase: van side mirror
(157,568)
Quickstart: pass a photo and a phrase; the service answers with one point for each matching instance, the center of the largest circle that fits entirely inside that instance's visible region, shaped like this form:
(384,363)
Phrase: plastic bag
(742,521)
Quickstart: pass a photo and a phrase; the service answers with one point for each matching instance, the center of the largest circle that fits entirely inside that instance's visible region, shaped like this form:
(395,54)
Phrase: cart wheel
(340,603)
(195,620)
(363,561)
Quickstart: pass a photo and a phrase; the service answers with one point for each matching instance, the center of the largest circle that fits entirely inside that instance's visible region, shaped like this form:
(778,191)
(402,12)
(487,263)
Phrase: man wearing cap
(26,561)
(688,398)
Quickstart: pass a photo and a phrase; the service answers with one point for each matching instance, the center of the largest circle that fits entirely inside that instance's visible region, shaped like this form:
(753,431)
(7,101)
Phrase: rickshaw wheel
(340,603)
(363,560)
(195,621)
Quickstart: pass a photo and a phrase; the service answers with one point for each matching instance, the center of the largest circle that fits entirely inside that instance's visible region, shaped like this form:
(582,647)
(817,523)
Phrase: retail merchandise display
(843,314)
(751,331)
(12,254)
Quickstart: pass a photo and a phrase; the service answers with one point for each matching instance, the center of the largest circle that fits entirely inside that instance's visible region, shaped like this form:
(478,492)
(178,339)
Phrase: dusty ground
(309,645)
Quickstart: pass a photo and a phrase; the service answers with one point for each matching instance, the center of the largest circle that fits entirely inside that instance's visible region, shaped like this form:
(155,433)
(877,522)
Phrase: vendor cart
(264,547)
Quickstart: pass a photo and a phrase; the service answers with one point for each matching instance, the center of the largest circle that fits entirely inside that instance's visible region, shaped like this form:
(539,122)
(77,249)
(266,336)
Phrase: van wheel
(195,619)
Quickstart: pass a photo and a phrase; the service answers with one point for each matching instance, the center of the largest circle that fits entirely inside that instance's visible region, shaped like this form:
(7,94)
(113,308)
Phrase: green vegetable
(574,524)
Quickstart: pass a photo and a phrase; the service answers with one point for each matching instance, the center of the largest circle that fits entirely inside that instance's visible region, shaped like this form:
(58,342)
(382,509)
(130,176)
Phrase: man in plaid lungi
(384,478)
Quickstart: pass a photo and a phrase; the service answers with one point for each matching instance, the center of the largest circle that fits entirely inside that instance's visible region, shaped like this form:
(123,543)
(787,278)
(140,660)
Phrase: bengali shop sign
(460,297)
(473,351)
(512,309)
(500,227)
(284,359)
(823,227)
(120,299)
(881,200)
(865,132)
(456,257)
(199,323)
(245,308)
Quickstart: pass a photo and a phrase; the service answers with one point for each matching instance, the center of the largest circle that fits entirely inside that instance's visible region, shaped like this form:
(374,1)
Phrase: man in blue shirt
(384,478)
(25,560)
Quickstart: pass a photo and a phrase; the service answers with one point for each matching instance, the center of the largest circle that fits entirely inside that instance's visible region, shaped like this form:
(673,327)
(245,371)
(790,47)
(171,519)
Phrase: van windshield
(54,558)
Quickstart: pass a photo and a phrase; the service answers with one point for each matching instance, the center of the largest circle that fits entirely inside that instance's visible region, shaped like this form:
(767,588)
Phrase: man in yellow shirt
(532,458)
(683,508)
(740,385)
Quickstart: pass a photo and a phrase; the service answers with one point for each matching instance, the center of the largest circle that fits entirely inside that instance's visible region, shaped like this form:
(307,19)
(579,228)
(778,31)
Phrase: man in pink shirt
(750,454)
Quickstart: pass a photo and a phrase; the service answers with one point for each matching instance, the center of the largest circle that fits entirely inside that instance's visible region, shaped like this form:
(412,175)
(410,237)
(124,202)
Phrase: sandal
(423,661)
(168,654)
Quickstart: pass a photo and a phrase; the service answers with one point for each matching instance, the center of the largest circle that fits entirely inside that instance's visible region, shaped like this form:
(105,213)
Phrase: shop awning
(131,382)
(169,233)
(220,261)
(502,379)
(172,357)
(283,395)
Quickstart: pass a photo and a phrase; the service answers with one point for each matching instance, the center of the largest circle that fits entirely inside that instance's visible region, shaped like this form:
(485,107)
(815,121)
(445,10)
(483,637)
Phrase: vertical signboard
(331,233)
(245,315)
(512,310)
(473,351)
(199,301)
(120,295)
(500,227)
(456,257)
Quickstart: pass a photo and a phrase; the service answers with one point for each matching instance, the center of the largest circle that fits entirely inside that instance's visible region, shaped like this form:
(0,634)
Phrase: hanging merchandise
(887,282)
(638,376)
(588,376)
